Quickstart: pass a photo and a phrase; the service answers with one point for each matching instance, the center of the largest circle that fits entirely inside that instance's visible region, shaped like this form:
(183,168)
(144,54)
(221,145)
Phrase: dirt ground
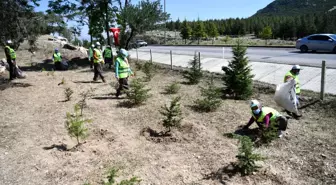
(33,118)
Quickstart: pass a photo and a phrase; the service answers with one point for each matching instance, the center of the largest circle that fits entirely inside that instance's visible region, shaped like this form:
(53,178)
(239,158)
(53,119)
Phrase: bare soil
(34,142)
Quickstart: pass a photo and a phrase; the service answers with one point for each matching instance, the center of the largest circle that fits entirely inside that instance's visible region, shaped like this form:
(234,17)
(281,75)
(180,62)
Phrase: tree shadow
(5,85)
(126,104)
(61,147)
(253,134)
(87,82)
(223,174)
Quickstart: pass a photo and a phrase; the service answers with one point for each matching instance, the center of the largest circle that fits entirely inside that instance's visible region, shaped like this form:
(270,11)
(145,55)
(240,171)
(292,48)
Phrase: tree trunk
(129,39)
(107,23)
(198,41)
(185,41)
(213,40)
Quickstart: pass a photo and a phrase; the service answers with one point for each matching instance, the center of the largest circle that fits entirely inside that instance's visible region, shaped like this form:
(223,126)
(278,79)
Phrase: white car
(317,42)
(141,43)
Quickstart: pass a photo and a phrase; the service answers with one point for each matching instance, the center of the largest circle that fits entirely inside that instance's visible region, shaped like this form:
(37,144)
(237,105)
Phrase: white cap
(97,44)
(9,42)
(296,67)
(254,103)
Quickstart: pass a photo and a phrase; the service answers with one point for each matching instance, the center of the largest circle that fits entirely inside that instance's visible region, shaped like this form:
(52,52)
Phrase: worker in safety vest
(57,59)
(122,71)
(294,74)
(108,56)
(90,54)
(98,61)
(11,59)
(265,116)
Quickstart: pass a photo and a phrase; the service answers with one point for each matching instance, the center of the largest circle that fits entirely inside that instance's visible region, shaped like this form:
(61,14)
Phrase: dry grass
(33,117)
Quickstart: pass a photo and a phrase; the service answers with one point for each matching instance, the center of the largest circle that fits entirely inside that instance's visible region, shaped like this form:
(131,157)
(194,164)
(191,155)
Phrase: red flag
(115,32)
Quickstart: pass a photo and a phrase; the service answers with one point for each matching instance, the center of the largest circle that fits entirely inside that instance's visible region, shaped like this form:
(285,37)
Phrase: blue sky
(204,9)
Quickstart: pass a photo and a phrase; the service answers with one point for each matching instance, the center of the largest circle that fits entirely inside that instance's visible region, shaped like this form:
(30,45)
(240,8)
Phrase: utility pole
(164,9)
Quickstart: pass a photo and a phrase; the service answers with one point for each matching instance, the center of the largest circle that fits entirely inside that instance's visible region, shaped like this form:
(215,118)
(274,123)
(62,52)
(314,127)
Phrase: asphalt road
(269,55)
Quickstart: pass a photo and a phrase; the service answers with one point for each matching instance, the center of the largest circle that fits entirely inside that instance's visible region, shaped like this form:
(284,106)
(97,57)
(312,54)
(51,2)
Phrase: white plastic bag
(285,96)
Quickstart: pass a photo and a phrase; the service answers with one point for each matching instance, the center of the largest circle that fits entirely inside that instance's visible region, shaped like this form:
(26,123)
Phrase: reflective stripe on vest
(11,52)
(297,81)
(265,111)
(108,53)
(57,57)
(123,69)
(99,55)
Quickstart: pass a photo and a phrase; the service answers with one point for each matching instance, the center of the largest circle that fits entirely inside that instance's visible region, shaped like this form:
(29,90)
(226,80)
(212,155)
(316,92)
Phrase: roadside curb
(222,46)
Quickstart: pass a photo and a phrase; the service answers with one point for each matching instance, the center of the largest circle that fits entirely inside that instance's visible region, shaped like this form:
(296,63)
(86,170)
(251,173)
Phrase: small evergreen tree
(137,94)
(199,30)
(237,76)
(173,88)
(149,69)
(194,74)
(269,134)
(213,31)
(185,31)
(211,98)
(246,157)
(112,175)
(68,93)
(82,102)
(266,33)
(172,114)
(75,125)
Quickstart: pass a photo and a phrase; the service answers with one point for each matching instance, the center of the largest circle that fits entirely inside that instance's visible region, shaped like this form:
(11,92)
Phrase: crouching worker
(122,71)
(57,59)
(265,116)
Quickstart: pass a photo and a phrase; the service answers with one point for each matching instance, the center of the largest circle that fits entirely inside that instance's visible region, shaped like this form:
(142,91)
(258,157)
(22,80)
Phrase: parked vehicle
(317,42)
(141,43)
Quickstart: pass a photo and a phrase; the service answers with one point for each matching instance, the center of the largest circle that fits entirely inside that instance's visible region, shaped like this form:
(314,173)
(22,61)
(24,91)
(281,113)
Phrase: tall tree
(185,31)
(199,30)
(266,33)
(177,24)
(213,33)
(135,19)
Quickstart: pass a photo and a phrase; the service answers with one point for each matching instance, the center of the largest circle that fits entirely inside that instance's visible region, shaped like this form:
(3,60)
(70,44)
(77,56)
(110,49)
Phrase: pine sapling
(75,125)
(137,93)
(269,134)
(211,98)
(194,74)
(82,102)
(149,69)
(173,88)
(62,82)
(246,158)
(112,175)
(237,75)
(68,93)
(172,114)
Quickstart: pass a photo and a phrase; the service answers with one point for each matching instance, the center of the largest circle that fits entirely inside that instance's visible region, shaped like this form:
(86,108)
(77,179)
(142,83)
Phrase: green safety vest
(264,112)
(90,52)
(297,81)
(123,69)
(108,53)
(57,57)
(99,55)
(11,52)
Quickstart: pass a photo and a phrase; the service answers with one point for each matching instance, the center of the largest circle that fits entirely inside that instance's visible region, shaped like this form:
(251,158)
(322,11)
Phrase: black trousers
(12,73)
(98,71)
(109,61)
(91,63)
(123,84)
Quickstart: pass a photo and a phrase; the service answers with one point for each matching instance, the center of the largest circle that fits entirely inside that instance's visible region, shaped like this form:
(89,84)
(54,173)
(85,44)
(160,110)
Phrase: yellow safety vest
(108,53)
(99,55)
(264,112)
(123,69)
(57,57)
(11,52)
(297,81)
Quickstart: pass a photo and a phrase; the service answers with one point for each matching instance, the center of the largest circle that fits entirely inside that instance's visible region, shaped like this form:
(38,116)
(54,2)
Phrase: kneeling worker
(122,71)
(266,115)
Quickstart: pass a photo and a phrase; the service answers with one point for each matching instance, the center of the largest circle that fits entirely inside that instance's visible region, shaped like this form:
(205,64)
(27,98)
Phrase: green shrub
(137,93)
(211,100)
(75,125)
(237,76)
(194,74)
(68,93)
(112,175)
(173,88)
(82,102)
(246,158)
(269,134)
(149,69)
(172,114)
